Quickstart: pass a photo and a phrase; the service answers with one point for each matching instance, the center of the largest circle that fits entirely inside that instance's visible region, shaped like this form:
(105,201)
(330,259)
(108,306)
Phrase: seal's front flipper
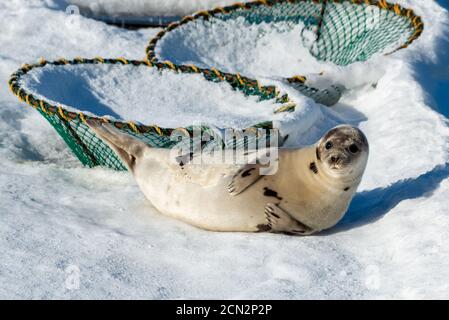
(260,164)
(125,146)
(280,221)
(245,176)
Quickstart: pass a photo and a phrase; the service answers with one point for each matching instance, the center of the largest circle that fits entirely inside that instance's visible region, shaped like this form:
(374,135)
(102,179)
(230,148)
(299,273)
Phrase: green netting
(338,31)
(92,151)
(351,33)
(345,31)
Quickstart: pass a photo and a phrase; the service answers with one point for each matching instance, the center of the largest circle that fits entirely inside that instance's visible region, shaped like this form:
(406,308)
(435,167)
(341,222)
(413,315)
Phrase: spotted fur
(313,167)
(271,193)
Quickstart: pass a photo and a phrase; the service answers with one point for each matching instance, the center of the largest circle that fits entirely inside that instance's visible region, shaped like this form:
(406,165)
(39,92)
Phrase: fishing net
(337,31)
(71,124)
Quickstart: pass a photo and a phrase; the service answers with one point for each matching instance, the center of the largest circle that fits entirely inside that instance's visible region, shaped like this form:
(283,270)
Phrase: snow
(71,232)
(271,50)
(237,46)
(138,92)
(147,7)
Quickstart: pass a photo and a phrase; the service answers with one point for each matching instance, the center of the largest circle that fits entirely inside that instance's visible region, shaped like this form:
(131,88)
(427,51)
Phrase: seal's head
(343,151)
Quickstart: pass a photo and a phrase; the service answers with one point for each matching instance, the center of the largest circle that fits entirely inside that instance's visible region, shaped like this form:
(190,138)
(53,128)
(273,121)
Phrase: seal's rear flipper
(125,146)
(280,220)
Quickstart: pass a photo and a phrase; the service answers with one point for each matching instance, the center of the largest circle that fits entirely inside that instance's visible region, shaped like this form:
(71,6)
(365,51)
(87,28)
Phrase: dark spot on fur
(247,173)
(132,161)
(271,193)
(313,167)
(274,214)
(318,154)
(347,188)
(331,133)
(184,159)
(263,227)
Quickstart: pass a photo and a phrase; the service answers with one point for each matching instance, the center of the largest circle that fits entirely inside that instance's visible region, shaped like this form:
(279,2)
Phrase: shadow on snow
(434,76)
(370,206)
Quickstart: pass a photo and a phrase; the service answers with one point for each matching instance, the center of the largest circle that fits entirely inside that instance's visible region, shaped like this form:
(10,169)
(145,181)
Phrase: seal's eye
(353,148)
(329,145)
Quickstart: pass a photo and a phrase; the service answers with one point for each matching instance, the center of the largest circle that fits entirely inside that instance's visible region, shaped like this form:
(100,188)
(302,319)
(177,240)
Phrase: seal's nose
(334,159)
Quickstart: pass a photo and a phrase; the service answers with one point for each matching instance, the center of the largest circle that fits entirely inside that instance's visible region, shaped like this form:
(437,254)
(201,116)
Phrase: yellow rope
(184,131)
(170,64)
(286,107)
(221,9)
(172,26)
(26,67)
(18,94)
(61,113)
(123,60)
(239,78)
(158,130)
(160,34)
(259,87)
(194,68)
(217,73)
(416,20)
(42,105)
(383,4)
(298,79)
(185,19)
(133,126)
(397,9)
(202,13)
(81,115)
